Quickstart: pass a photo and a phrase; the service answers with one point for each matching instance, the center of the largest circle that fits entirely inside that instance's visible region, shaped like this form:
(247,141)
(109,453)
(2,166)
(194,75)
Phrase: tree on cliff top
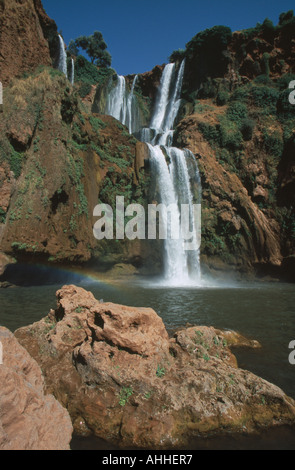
(95,47)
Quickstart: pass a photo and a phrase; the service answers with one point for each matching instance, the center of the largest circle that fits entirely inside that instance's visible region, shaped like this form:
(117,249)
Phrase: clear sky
(143,33)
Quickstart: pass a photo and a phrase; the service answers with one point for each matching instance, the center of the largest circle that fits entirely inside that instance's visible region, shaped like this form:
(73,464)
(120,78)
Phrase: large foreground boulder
(29,420)
(122,378)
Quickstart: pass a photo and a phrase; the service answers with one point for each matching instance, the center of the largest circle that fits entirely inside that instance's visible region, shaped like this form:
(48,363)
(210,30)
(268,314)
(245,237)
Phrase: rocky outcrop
(23,45)
(122,378)
(29,419)
(4,262)
(50,182)
(149,82)
(238,57)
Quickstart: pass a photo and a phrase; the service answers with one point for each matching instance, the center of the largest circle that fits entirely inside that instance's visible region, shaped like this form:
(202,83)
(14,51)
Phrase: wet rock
(4,262)
(236,340)
(6,285)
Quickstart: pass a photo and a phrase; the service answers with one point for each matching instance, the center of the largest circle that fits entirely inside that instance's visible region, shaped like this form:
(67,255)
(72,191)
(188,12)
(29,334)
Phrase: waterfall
(181,267)
(132,110)
(116,103)
(72,74)
(177,176)
(162,102)
(121,104)
(62,60)
(176,172)
(167,105)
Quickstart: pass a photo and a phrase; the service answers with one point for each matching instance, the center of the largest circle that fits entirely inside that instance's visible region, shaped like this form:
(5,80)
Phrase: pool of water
(265,312)
(261,311)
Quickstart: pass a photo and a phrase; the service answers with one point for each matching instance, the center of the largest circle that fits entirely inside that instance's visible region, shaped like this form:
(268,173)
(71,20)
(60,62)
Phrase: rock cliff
(59,157)
(24,32)
(57,162)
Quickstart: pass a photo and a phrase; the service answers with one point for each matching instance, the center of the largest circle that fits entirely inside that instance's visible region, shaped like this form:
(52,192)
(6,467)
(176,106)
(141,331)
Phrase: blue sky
(143,33)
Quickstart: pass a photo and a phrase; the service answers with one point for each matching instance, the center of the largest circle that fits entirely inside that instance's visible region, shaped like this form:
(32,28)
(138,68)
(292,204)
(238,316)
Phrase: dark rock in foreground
(121,378)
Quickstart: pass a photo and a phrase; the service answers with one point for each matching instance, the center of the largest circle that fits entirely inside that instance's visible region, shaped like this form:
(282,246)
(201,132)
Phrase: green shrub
(265,63)
(265,97)
(96,123)
(206,50)
(84,90)
(231,138)
(268,30)
(283,82)
(229,158)
(222,98)
(2,216)
(16,162)
(241,94)
(250,33)
(210,133)
(211,40)
(237,111)
(208,89)
(89,73)
(284,108)
(273,143)
(177,55)
(286,18)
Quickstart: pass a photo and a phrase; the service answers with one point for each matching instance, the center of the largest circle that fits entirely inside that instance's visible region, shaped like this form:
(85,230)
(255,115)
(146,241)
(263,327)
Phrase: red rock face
(7,183)
(122,379)
(23,46)
(29,420)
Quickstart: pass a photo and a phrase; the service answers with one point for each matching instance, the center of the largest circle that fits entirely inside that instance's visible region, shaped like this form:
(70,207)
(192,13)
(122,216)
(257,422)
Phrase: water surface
(261,311)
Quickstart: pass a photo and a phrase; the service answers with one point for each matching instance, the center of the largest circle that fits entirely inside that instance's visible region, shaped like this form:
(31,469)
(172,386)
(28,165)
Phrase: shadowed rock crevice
(59,197)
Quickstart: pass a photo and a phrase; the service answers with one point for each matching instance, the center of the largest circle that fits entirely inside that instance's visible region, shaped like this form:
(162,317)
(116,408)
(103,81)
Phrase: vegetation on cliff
(59,162)
(59,158)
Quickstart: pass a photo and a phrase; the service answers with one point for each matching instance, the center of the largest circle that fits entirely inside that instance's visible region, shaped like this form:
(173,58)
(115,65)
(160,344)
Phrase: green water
(265,312)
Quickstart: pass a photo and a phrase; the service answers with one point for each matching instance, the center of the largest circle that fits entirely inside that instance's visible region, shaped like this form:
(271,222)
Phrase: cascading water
(62,60)
(181,267)
(72,74)
(167,107)
(131,114)
(175,185)
(116,103)
(162,102)
(176,171)
(121,104)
